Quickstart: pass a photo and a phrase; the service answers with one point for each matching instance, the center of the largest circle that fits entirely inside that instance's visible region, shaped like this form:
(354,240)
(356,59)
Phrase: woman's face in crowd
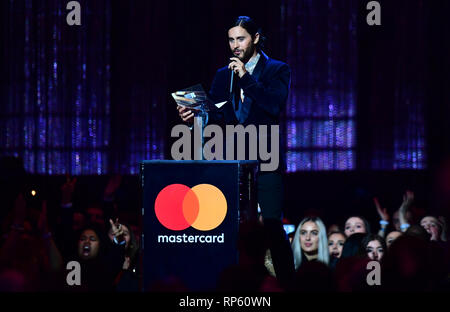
(391,237)
(88,245)
(309,237)
(430,223)
(354,225)
(375,250)
(126,235)
(335,244)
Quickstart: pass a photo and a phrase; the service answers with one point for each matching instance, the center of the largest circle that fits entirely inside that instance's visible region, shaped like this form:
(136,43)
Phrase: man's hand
(237,66)
(186,114)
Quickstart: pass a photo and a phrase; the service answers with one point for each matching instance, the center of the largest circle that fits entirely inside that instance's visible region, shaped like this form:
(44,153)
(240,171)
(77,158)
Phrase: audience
(38,239)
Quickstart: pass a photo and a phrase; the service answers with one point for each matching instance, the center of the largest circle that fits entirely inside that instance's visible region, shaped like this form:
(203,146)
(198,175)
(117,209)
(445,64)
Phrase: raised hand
(112,186)
(126,263)
(67,190)
(382,212)
(20,209)
(408,197)
(117,230)
(43,221)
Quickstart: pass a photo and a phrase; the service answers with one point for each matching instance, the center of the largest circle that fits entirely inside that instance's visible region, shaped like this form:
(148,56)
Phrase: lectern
(191,215)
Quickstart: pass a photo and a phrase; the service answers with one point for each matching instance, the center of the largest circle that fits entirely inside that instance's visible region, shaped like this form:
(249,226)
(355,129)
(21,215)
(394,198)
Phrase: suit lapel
(260,66)
(245,110)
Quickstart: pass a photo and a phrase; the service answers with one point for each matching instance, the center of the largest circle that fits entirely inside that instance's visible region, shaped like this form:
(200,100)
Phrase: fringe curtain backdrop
(94,99)
(321,111)
(399,75)
(57,110)
(357,93)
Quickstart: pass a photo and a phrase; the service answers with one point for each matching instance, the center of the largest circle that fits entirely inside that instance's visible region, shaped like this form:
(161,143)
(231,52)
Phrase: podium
(190,216)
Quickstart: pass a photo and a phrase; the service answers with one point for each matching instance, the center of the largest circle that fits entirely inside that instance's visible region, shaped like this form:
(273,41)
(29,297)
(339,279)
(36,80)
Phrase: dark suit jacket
(265,91)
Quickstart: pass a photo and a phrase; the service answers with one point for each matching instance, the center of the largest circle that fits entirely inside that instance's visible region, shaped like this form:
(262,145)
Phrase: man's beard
(247,54)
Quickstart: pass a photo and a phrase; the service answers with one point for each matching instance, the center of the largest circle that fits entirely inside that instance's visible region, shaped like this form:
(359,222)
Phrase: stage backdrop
(94,99)
(67,103)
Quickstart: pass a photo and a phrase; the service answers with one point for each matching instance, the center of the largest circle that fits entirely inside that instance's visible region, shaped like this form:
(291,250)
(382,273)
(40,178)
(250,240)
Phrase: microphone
(231,90)
(231,82)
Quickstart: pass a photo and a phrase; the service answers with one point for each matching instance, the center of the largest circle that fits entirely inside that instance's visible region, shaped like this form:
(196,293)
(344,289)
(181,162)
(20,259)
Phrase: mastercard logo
(178,207)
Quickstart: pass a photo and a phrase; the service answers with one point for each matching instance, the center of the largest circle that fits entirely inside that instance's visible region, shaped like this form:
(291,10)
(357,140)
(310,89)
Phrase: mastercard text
(192,239)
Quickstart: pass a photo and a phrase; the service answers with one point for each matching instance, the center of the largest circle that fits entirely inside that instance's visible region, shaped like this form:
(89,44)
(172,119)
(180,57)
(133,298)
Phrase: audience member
(374,246)
(356,224)
(391,237)
(310,242)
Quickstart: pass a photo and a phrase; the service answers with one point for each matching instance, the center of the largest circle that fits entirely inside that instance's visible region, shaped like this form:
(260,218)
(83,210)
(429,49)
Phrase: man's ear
(256,40)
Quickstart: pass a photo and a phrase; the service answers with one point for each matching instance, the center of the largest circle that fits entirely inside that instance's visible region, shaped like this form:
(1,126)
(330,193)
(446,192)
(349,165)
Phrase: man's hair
(251,27)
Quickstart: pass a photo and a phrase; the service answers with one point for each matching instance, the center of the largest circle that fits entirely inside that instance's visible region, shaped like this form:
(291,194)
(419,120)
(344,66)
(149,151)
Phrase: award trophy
(196,99)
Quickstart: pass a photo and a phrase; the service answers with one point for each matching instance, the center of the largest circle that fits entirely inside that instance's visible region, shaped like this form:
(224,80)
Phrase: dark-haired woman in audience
(99,264)
(374,246)
(356,224)
(336,242)
(310,242)
(127,279)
